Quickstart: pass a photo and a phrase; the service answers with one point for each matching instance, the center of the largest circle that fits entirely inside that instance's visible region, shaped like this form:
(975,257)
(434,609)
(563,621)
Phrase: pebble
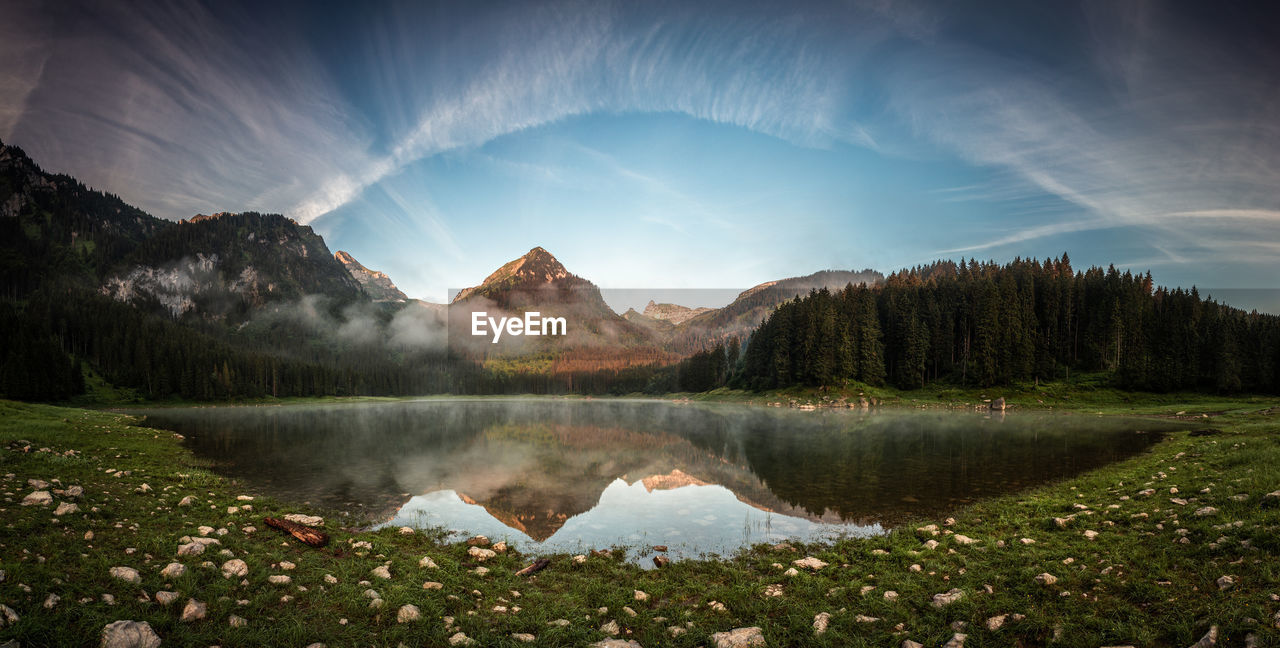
(166,598)
(194,610)
(947,598)
(237,622)
(408,614)
(235,568)
(38,498)
(427,563)
(382,572)
(641,596)
(461,639)
(279,579)
(809,562)
(751,637)
(432,585)
(1046,579)
(127,574)
(481,554)
(174,570)
(820,622)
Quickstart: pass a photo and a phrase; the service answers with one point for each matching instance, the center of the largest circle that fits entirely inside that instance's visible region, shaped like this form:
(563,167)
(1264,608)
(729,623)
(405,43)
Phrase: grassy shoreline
(1136,582)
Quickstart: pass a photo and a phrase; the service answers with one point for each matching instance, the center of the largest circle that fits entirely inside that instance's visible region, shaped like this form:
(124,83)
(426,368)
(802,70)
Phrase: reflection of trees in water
(535,463)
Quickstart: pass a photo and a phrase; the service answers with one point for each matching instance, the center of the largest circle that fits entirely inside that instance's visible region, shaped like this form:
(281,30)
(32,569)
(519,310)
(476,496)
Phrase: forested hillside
(987,324)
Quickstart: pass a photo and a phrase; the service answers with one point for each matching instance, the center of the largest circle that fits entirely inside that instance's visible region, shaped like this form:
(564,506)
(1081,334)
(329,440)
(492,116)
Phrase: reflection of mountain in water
(537,465)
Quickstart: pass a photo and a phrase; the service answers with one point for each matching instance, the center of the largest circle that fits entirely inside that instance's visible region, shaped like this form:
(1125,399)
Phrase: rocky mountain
(673,313)
(376,284)
(223,266)
(538,282)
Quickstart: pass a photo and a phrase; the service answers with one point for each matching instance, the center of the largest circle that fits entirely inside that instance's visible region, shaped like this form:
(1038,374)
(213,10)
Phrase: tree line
(986,324)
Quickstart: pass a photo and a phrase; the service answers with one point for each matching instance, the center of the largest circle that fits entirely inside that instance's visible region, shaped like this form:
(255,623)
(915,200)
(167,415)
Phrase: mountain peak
(535,267)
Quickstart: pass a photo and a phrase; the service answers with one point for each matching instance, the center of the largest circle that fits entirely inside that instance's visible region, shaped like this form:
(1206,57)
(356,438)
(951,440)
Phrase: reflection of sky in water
(690,520)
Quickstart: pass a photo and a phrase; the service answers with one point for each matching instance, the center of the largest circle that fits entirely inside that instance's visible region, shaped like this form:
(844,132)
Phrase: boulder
(129,634)
(751,637)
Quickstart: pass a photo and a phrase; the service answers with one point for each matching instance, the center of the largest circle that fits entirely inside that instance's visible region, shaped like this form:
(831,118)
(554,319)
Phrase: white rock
(8,617)
(330,579)
(641,596)
(809,562)
(194,610)
(1090,535)
(891,596)
(739,638)
(461,639)
(995,622)
(166,598)
(432,585)
(382,572)
(309,520)
(1206,511)
(286,565)
(947,598)
(51,601)
(964,539)
(38,498)
(1226,582)
(427,563)
(173,570)
(237,622)
(524,636)
(191,549)
(235,568)
(66,507)
(820,622)
(956,641)
(1046,579)
(129,634)
(481,554)
(408,614)
(279,579)
(187,501)
(128,574)
(407,531)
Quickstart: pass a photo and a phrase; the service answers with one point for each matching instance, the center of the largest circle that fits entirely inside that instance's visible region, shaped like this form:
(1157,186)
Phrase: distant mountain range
(265,283)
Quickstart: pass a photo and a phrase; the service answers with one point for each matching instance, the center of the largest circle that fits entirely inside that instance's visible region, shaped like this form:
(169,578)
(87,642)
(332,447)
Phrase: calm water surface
(569,475)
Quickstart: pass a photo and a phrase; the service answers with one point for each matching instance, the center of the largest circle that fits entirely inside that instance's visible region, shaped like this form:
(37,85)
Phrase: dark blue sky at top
(678,144)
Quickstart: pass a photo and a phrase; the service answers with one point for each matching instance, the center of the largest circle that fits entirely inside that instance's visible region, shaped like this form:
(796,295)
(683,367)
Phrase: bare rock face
(129,634)
(673,313)
(376,284)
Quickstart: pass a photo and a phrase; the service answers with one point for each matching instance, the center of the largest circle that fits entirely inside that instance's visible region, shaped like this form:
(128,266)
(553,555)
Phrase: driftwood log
(302,532)
(537,566)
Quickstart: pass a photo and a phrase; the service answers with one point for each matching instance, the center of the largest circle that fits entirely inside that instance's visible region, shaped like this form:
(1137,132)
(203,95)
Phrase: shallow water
(569,475)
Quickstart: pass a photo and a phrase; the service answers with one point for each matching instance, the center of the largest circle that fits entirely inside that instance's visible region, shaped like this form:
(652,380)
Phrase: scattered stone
(1046,579)
(237,622)
(127,574)
(286,565)
(235,568)
(187,501)
(432,585)
(739,638)
(610,628)
(477,541)
(1206,511)
(563,623)
(791,571)
(461,639)
(1226,582)
(820,622)
(174,570)
(51,601)
(166,598)
(641,596)
(773,590)
(891,596)
(907,643)
(1090,535)
(659,561)
(615,643)
(581,559)
(382,572)
(480,554)
(8,617)
(947,598)
(500,547)
(525,637)
(931,529)
(862,618)
(995,622)
(279,579)
(38,498)
(194,610)
(65,508)
(809,562)
(427,563)
(408,614)
(309,520)
(191,549)
(964,539)
(129,634)
(956,641)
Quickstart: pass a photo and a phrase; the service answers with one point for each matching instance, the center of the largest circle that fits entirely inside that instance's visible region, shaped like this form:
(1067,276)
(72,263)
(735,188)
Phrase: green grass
(1134,584)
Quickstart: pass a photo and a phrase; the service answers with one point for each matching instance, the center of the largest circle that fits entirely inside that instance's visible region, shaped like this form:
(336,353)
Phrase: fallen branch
(537,566)
(302,532)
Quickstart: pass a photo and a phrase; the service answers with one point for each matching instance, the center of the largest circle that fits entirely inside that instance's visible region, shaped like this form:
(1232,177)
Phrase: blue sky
(678,145)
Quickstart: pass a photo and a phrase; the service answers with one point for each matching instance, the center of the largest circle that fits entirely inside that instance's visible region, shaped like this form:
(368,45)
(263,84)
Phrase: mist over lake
(565,475)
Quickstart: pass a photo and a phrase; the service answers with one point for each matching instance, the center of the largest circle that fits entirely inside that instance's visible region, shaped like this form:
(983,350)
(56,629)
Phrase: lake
(570,475)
